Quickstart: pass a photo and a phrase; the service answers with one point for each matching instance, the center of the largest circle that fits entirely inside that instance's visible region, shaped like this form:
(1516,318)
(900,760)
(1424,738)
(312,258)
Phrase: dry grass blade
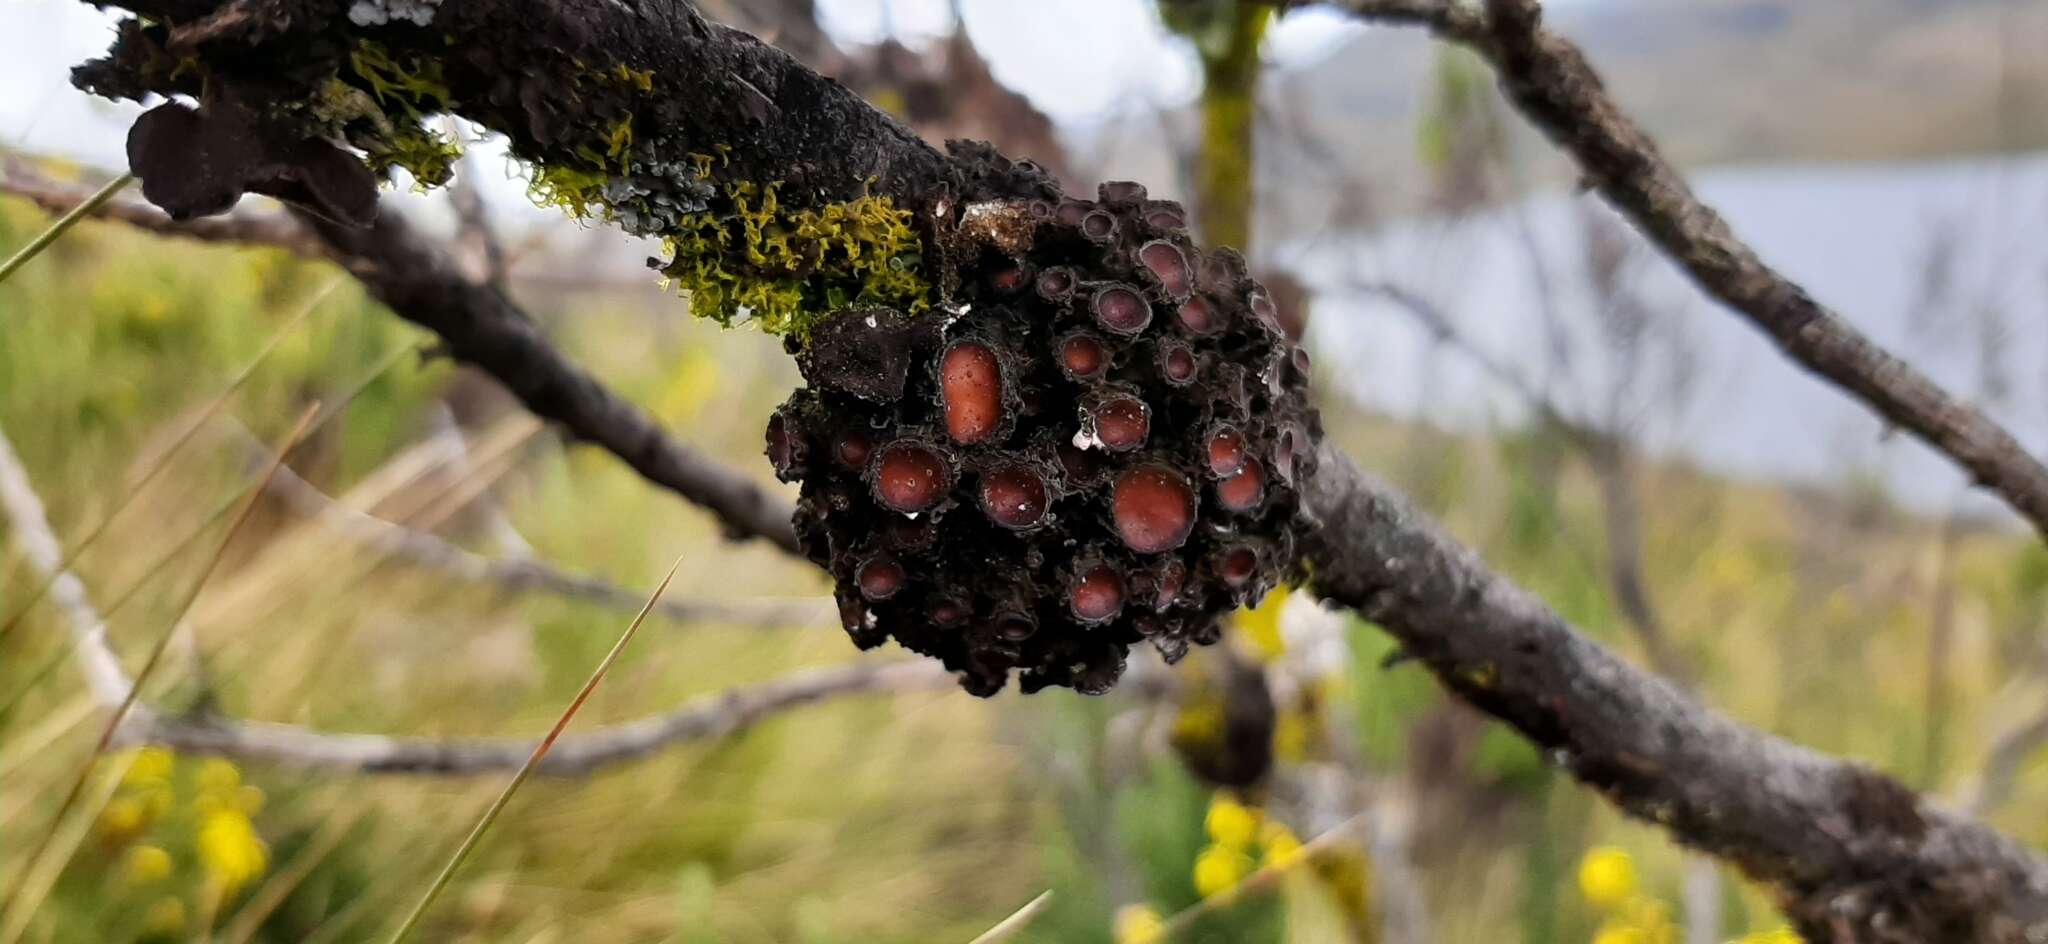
(1014,924)
(1262,879)
(177,549)
(155,657)
(131,490)
(46,237)
(12,925)
(540,750)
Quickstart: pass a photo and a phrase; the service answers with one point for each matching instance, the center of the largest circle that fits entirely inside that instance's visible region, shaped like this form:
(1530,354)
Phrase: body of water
(1944,264)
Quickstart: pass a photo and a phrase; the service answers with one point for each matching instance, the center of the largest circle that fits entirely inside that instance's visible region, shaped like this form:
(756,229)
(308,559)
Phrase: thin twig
(272,228)
(424,549)
(716,715)
(2009,752)
(719,714)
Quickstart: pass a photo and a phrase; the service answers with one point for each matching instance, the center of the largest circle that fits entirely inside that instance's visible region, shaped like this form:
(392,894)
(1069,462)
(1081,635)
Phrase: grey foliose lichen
(655,197)
(383,12)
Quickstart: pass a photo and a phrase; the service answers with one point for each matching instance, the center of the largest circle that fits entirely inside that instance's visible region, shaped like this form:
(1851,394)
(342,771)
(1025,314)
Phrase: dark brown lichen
(1083,452)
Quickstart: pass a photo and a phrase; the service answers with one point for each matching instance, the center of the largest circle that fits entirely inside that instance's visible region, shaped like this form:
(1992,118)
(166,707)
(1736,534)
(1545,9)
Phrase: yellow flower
(230,850)
(1261,625)
(1777,935)
(219,776)
(146,865)
(1218,869)
(1139,924)
(1282,846)
(123,818)
(1230,823)
(1607,877)
(150,766)
(166,918)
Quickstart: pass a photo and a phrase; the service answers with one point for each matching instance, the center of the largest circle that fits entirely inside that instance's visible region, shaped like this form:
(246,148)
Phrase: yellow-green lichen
(426,154)
(415,87)
(782,270)
(400,96)
(572,190)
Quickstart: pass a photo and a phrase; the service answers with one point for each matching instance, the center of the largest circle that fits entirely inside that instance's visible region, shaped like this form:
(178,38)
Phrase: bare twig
(104,677)
(2009,752)
(251,227)
(130,698)
(1549,80)
(482,326)
(712,716)
(426,550)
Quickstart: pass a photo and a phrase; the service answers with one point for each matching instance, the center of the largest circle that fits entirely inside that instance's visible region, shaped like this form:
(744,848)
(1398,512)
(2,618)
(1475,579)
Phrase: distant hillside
(1717,81)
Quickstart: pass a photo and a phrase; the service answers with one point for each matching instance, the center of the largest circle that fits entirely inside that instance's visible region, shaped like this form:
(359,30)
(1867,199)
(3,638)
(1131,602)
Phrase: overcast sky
(1080,60)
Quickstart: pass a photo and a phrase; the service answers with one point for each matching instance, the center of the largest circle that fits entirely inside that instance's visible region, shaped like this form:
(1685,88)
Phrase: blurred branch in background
(710,716)
(424,549)
(1550,80)
(250,227)
(1602,450)
(479,325)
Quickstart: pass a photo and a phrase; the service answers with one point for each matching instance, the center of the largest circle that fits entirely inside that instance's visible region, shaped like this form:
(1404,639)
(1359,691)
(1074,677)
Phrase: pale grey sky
(1080,60)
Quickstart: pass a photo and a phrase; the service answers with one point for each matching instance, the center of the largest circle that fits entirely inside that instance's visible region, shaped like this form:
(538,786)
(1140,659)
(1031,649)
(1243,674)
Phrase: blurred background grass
(1828,613)
(907,818)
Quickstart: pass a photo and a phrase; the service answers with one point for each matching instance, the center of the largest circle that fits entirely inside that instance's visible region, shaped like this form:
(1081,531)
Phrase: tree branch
(479,325)
(711,716)
(248,227)
(427,550)
(1550,81)
(1855,854)
(1850,848)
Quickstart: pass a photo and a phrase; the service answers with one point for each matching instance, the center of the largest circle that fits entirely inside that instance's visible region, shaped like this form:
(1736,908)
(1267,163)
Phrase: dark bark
(1859,856)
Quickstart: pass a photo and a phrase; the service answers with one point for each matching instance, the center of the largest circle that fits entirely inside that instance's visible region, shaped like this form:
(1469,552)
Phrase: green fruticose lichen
(783,270)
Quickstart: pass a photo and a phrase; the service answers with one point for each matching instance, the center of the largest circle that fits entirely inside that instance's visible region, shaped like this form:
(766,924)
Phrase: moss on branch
(777,194)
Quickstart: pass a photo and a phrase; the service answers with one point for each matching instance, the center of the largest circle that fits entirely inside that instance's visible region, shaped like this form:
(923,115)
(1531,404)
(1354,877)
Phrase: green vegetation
(1806,615)
(783,270)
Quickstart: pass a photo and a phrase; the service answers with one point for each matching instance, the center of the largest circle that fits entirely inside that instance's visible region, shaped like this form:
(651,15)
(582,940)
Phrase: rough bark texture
(1856,855)
(1859,856)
